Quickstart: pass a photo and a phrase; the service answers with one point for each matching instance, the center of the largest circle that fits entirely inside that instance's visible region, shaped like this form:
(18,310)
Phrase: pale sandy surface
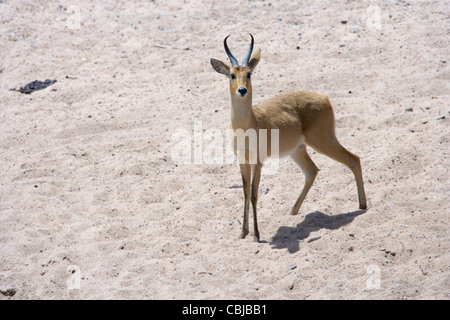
(87,180)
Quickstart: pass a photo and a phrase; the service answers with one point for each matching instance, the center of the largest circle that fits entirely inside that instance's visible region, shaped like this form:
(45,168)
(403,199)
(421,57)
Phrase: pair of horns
(233,60)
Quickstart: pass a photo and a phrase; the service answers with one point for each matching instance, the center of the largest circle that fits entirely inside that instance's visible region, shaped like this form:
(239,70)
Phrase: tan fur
(302,118)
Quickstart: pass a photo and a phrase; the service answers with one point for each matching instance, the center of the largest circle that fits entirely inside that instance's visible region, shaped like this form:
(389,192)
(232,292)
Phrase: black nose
(242,91)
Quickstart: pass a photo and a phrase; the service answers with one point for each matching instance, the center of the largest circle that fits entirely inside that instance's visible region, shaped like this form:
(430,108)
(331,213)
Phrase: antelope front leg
(254,197)
(246,181)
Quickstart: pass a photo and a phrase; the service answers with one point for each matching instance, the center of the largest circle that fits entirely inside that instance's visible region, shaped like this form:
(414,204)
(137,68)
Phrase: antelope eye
(248,75)
(232,76)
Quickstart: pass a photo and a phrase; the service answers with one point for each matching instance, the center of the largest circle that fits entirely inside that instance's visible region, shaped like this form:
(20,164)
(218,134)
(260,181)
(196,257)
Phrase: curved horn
(249,53)
(233,60)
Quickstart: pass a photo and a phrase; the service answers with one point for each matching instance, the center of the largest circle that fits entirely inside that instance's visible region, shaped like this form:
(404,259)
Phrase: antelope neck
(242,116)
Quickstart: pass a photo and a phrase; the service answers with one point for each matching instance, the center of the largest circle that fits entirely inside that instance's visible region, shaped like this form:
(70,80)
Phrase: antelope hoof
(363,206)
(243,235)
(294,212)
(256,238)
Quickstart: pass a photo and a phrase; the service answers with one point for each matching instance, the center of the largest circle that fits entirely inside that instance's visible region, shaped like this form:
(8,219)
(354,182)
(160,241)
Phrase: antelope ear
(220,67)
(254,60)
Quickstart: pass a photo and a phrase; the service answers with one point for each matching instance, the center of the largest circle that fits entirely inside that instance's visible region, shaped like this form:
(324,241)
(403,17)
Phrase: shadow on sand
(290,237)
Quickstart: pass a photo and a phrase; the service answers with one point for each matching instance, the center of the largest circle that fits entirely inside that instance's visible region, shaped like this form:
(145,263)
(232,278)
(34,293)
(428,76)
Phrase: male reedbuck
(302,118)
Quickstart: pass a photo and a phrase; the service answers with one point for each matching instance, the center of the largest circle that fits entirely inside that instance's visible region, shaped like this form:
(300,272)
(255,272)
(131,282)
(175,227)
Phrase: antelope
(303,118)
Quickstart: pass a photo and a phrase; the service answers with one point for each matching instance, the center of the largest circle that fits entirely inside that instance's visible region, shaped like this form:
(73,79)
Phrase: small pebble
(9,292)
(440,118)
(409,109)
(344,21)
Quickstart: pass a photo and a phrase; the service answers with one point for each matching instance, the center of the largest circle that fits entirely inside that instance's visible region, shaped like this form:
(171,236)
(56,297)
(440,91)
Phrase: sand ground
(93,206)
